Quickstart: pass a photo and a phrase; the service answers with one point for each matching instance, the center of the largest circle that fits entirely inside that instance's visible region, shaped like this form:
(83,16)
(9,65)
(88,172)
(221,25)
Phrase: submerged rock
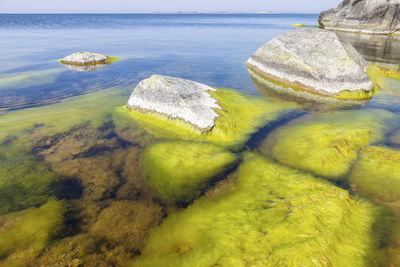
(328,144)
(176,98)
(313,61)
(230,124)
(377,174)
(367,16)
(87,58)
(179,171)
(26,233)
(275,216)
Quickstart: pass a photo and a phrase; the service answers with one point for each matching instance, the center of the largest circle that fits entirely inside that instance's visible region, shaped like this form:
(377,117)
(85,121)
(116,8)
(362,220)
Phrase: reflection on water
(84,68)
(71,183)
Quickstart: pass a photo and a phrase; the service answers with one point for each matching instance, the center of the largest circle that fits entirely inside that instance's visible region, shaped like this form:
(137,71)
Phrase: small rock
(368,16)
(176,98)
(85,58)
(315,61)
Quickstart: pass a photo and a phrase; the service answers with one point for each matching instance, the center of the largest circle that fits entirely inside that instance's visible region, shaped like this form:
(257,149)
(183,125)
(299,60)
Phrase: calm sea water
(48,150)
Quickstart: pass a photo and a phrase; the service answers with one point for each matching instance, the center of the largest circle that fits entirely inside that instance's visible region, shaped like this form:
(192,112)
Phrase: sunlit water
(63,143)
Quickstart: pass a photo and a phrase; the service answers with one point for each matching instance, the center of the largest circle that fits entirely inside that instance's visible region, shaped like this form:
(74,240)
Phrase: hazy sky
(140,6)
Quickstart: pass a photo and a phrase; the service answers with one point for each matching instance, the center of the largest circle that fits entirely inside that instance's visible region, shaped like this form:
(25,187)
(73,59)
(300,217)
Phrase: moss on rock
(26,233)
(240,117)
(276,216)
(377,174)
(179,171)
(327,144)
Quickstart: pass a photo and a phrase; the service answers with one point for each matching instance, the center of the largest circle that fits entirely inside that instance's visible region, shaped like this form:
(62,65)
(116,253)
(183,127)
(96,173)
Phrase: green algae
(179,171)
(24,181)
(275,216)
(29,79)
(328,144)
(377,174)
(240,117)
(26,233)
(93,109)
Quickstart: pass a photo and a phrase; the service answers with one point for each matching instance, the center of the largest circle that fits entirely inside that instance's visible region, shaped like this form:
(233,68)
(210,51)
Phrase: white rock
(312,59)
(85,58)
(176,98)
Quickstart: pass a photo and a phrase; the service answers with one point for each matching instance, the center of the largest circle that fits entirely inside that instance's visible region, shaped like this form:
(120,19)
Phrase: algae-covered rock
(87,58)
(238,118)
(24,181)
(314,61)
(367,16)
(26,233)
(327,144)
(179,171)
(377,173)
(276,216)
(127,223)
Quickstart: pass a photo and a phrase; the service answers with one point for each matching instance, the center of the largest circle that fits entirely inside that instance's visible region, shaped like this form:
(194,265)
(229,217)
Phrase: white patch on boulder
(85,58)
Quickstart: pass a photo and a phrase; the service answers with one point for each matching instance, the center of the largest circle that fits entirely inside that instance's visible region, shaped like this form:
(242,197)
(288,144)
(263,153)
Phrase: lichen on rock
(179,171)
(314,61)
(275,216)
(328,144)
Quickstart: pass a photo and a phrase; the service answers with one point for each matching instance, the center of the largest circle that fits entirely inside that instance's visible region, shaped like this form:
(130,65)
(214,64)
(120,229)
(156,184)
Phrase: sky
(149,6)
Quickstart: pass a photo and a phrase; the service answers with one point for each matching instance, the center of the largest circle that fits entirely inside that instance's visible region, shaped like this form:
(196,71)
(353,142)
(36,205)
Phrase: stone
(176,98)
(368,16)
(314,61)
(86,58)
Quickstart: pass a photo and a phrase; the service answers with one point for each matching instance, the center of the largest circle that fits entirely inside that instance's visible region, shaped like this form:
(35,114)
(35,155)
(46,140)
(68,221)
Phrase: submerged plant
(377,173)
(28,79)
(274,216)
(179,171)
(327,145)
(240,117)
(26,233)
(24,181)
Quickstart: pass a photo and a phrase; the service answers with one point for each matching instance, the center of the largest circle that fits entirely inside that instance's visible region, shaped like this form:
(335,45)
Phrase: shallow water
(64,141)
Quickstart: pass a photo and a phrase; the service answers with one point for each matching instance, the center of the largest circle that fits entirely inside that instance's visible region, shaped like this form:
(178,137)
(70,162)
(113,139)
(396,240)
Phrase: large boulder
(366,16)
(176,98)
(312,60)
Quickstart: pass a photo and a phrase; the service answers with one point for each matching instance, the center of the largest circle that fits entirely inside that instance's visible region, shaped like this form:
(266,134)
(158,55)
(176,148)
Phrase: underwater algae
(24,181)
(377,174)
(328,144)
(240,117)
(93,109)
(28,79)
(26,233)
(275,216)
(179,170)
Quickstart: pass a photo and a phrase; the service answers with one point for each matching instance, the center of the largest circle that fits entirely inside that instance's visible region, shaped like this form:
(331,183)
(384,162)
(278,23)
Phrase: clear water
(59,139)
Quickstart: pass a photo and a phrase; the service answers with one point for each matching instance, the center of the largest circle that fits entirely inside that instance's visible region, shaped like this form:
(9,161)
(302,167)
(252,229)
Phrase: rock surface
(315,61)
(176,98)
(367,16)
(85,58)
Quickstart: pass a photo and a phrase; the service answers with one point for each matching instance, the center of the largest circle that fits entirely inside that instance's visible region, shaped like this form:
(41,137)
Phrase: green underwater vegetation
(29,79)
(327,144)
(274,216)
(377,174)
(108,61)
(26,233)
(178,171)
(24,181)
(240,117)
(93,109)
